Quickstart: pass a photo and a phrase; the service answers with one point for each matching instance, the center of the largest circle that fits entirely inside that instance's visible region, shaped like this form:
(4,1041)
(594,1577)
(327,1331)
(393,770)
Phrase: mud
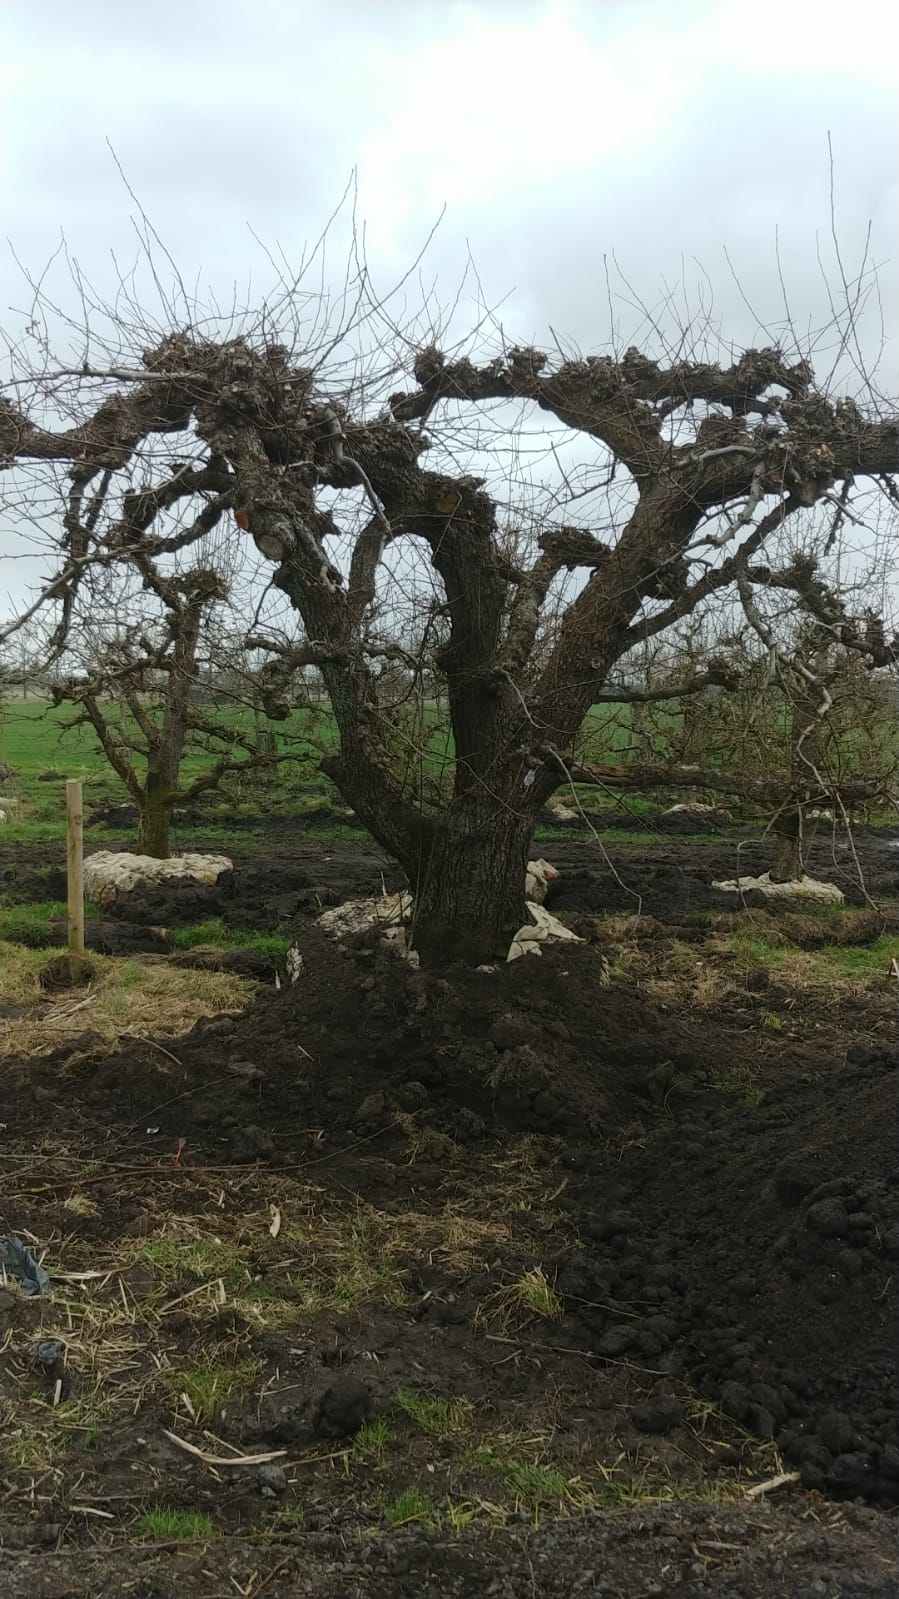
(727,1274)
(752,1251)
(289,881)
(680,1552)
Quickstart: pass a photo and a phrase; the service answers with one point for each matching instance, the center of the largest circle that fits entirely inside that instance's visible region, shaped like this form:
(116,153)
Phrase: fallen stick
(783,1480)
(223,1460)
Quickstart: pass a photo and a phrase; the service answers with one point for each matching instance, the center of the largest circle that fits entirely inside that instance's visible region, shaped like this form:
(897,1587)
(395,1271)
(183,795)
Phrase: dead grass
(126,995)
(528,1298)
(812,953)
(681,972)
(191,1325)
(843,966)
(325,1257)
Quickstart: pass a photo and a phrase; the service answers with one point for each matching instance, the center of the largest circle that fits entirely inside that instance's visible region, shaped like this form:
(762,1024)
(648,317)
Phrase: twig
(223,1460)
(267,1581)
(153,1045)
(784,1479)
(195,1089)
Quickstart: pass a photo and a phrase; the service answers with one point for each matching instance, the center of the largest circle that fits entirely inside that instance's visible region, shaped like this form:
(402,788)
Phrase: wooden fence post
(75,873)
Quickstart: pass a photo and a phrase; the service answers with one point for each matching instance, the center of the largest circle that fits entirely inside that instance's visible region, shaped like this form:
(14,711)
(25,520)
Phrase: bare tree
(823,734)
(329,474)
(841,748)
(140,686)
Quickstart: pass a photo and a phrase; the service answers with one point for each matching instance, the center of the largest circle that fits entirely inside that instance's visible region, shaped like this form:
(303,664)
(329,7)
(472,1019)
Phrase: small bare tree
(842,749)
(820,734)
(140,687)
(677,474)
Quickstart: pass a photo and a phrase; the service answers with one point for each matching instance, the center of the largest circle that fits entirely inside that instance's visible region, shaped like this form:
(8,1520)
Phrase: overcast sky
(553,133)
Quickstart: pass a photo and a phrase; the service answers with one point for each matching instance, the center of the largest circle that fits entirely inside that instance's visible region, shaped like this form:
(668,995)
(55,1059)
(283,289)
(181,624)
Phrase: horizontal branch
(866,637)
(227,764)
(107,438)
(715,677)
(596,396)
(605,378)
(292,657)
(765,791)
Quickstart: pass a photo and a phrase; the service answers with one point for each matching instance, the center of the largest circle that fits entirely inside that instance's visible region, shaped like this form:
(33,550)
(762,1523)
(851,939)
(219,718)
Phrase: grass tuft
(443,1418)
(409,1506)
(534,1485)
(526,1297)
(204,1258)
(829,965)
(164,1521)
(537,1295)
(372,1439)
(208,1389)
(30,924)
(271,946)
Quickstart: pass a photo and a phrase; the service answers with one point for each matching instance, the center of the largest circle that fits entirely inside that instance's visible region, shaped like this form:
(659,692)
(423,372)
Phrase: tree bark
(154,820)
(470,898)
(786,866)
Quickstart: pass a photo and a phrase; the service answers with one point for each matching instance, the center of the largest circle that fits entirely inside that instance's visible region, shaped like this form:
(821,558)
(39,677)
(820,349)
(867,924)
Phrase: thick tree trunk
(786,867)
(153,823)
(470,899)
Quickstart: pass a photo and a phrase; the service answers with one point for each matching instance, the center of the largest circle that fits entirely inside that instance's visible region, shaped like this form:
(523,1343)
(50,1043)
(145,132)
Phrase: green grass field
(43,752)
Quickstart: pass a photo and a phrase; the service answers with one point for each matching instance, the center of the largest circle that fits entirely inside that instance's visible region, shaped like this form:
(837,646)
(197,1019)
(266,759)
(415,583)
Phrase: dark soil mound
(263,894)
(123,815)
(754,1251)
(668,882)
(760,1250)
(363,1040)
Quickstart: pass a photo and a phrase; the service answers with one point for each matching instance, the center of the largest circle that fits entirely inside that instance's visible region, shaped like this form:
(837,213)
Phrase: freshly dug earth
(753,1251)
(507,1219)
(659,871)
(769,1243)
(669,1552)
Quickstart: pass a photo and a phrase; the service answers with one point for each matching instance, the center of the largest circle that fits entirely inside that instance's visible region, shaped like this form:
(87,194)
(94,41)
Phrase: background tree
(676,475)
(146,687)
(819,740)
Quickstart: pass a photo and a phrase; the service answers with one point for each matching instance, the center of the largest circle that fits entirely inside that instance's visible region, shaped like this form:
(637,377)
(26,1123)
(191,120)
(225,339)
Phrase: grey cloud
(254,113)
